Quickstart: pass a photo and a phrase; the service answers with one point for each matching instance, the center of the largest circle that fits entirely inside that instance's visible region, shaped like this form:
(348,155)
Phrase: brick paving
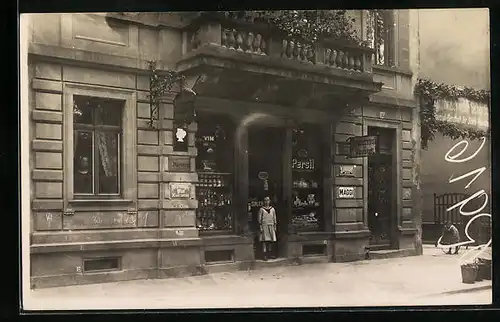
(431,279)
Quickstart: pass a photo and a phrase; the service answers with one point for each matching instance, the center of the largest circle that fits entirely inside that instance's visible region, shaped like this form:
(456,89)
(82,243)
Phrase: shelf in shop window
(210,207)
(213,173)
(297,209)
(306,188)
(198,185)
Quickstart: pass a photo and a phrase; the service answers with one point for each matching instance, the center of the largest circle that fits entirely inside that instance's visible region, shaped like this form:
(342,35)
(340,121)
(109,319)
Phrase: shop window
(97,129)
(215,165)
(307,188)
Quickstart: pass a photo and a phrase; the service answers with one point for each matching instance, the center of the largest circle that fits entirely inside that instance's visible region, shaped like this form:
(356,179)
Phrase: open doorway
(381,190)
(265,178)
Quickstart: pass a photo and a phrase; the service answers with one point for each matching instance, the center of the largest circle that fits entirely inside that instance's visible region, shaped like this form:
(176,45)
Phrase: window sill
(393,69)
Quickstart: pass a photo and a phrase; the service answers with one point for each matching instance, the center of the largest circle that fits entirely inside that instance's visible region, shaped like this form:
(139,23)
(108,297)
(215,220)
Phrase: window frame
(94,128)
(128,149)
(391,53)
(232,133)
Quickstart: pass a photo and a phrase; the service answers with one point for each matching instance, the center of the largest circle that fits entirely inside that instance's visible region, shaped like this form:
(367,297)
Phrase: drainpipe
(417,196)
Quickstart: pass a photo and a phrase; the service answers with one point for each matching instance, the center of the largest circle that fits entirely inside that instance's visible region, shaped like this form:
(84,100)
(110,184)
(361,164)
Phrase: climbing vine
(430,92)
(160,83)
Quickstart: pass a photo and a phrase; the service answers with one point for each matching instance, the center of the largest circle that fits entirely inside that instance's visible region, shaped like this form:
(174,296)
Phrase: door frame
(396,175)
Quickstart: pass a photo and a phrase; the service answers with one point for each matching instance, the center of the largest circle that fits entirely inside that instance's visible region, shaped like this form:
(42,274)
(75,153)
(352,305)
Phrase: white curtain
(107,145)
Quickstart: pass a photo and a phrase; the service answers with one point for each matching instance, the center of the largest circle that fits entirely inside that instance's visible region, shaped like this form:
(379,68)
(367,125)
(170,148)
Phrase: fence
(480,229)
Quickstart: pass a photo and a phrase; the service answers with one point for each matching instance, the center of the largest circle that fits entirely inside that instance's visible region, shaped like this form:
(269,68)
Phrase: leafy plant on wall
(429,93)
(160,83)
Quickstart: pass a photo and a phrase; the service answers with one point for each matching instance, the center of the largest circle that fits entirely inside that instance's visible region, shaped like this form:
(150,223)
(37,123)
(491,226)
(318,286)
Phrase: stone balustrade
(258,40)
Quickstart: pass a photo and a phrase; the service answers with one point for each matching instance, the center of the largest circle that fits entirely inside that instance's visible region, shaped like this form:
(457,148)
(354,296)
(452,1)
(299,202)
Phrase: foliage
(430,92)
(306,25)
(160,83)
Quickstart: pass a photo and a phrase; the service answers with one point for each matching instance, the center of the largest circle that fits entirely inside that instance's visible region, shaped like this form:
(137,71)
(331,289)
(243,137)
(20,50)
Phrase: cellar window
(219,256)
(101,264)
(313,250)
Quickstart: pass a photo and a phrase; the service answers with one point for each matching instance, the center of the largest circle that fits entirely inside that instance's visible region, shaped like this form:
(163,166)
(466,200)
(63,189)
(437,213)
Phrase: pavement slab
(431,279)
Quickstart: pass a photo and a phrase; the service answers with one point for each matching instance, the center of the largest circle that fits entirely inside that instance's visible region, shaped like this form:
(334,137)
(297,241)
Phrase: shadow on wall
(436,171)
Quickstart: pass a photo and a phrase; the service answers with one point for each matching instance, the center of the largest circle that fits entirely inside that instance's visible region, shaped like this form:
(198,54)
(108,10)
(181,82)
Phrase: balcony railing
(260,40)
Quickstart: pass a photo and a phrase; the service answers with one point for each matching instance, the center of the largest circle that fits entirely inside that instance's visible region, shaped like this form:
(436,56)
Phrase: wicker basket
(484,269)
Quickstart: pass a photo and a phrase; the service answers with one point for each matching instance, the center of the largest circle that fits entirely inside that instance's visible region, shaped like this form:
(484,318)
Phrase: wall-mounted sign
(303,165)
(179,164)
(346,192)
(347,170)
(180,190)
(363,146)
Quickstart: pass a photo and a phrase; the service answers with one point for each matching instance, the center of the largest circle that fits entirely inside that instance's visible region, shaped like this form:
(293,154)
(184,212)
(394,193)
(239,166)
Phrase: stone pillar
(241,181)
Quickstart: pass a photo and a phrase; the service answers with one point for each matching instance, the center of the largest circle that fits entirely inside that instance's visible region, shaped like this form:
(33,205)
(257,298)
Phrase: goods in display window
(214,163)
(306,177)
(214,196)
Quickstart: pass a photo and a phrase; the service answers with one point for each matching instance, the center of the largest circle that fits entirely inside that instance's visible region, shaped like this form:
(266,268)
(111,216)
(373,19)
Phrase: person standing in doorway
(267,223)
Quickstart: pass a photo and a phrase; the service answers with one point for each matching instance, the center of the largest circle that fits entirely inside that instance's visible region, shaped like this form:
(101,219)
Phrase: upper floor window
(381,25)
(97,129)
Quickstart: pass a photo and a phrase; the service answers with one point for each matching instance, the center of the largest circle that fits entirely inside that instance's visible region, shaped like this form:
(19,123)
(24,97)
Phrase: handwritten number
(476,213)
(453,158)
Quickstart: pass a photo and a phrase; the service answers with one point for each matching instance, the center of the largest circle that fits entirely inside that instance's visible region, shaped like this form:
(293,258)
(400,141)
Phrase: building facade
(118,195)
(456,52)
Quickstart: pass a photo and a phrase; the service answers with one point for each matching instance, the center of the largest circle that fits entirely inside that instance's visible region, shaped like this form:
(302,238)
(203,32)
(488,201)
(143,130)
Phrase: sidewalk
(429,279)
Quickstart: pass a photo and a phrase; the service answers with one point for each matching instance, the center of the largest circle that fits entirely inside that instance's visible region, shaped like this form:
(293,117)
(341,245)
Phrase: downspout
(416,133)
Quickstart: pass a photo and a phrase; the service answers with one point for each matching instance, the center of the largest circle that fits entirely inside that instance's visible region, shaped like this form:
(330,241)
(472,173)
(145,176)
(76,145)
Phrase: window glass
(214,164)
(96,142)
(83,162)
(307,185)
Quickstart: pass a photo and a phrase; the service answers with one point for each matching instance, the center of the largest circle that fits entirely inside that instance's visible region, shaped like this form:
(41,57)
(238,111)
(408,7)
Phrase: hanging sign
(363,146)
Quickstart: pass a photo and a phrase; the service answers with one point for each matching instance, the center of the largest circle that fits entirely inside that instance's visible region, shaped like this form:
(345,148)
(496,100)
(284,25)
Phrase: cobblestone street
(431,279)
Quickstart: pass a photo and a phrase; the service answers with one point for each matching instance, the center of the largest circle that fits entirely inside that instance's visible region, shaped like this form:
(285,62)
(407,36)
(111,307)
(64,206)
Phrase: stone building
(114,197)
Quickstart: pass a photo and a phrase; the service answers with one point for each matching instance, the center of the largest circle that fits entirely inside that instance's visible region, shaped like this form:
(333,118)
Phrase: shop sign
(304,165)
(179,164)
(347,170)
(347,192)
(363,146)
(180,190)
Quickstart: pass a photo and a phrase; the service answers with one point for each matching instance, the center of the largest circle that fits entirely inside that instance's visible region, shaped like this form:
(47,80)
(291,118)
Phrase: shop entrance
(381,203)
(265,178)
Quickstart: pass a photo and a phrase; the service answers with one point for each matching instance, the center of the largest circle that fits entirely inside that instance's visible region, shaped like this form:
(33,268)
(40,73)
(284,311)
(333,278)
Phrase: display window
(215,168)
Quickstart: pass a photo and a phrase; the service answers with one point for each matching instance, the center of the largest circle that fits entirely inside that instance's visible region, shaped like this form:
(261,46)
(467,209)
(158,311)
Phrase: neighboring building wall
(454,49)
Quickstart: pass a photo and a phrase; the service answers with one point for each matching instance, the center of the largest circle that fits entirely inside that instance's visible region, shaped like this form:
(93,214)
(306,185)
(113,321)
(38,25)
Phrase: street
(431,279)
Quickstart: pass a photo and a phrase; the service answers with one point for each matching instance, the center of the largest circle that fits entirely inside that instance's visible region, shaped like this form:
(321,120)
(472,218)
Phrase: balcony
(252,61)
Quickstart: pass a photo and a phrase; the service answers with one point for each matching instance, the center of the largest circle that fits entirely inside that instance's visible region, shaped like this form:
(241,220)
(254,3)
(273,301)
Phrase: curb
(464,290)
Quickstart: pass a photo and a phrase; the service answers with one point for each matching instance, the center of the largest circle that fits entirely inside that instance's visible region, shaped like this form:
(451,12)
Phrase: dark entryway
(265,178)
(381,196)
